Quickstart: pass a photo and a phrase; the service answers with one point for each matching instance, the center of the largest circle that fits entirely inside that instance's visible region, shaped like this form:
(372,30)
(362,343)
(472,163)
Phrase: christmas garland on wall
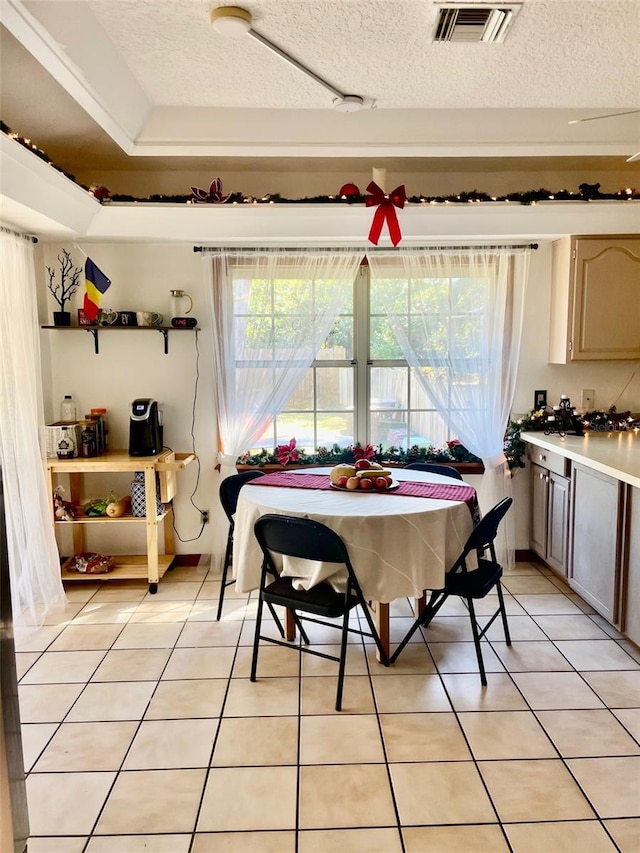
(538,421)
(348,194)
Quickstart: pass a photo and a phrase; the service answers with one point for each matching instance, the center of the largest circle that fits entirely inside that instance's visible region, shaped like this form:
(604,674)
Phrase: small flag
(96,283)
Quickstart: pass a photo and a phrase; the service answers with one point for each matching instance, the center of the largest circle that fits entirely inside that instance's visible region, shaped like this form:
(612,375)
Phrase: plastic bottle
(68,412)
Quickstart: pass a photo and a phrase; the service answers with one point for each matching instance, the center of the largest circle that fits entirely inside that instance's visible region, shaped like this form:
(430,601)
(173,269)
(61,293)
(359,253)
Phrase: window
(359,388)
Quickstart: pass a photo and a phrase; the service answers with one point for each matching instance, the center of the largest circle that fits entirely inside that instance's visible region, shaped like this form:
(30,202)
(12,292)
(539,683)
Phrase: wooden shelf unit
(152,565)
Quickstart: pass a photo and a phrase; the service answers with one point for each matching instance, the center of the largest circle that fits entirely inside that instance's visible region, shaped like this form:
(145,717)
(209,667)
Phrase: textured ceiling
(553,56)
(141,83)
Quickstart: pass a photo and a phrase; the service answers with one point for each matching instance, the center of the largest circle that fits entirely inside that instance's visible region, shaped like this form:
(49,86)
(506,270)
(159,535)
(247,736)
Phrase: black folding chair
(445,470)
(228,493)
(471,584)
(309,540)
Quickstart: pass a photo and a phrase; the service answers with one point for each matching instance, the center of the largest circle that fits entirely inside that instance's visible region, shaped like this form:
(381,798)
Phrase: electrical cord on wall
(627,383)
(193,450)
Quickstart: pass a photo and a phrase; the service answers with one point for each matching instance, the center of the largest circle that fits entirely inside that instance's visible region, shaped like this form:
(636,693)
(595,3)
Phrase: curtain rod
(18,234)
(363,249)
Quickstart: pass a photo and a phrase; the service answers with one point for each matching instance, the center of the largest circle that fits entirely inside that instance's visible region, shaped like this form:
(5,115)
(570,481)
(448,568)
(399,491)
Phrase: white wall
(132,365)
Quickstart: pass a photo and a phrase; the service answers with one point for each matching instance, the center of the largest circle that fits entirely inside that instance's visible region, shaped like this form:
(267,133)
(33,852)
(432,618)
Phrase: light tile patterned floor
(142,731)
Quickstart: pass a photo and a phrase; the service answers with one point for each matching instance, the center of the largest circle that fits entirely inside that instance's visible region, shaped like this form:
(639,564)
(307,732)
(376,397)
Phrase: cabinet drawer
(549,459)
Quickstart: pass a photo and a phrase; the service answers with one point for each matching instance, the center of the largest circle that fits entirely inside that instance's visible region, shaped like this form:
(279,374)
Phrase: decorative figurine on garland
(211,196)
(564,419)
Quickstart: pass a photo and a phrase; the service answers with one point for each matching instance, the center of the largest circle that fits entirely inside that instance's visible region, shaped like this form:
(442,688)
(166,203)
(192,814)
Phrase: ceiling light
(231,20)
(348,104)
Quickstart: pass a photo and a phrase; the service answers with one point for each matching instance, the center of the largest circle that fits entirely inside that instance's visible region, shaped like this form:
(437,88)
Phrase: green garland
(514,447)
(586,192)
(536,420)
(454,452)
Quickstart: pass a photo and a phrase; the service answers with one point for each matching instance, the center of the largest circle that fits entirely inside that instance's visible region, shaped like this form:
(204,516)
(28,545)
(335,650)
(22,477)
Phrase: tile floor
(142,731)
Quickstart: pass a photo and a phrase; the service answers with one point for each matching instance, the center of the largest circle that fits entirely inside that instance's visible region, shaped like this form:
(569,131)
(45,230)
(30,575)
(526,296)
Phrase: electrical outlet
(588,399)
(204,516)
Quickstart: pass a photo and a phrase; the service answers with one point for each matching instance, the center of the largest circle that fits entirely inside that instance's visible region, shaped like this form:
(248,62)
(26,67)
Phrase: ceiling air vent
(480,22)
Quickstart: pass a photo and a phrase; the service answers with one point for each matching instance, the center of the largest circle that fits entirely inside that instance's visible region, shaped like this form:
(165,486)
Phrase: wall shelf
(93,330)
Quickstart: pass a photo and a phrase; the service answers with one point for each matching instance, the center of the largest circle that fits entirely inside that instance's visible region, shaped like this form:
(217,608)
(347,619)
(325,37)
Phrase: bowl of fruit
(362,476)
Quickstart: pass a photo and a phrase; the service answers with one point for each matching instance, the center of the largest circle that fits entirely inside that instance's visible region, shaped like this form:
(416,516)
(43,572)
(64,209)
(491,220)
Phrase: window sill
(462,467)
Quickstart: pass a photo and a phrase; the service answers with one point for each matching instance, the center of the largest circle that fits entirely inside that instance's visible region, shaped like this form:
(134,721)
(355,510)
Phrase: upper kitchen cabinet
(595,299)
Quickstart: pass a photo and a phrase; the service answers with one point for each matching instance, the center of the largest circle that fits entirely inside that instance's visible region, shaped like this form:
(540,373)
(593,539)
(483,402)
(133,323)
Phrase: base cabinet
(631,620)
(549,517)
(596,539)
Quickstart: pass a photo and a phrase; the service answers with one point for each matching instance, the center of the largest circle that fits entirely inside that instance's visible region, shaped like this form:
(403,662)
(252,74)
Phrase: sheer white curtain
(458,317)
(271,310)
(34,565)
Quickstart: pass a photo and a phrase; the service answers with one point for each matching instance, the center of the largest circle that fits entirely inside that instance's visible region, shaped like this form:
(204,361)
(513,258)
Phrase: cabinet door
(539,507)
(557,522)
(606,308)
(631,625)
(595,539)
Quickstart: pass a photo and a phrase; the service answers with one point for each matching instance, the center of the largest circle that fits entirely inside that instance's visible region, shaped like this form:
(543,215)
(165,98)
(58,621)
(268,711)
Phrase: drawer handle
(542,457)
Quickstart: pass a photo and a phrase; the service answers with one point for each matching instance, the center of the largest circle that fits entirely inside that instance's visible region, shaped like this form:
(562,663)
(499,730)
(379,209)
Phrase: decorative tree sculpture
(64,289)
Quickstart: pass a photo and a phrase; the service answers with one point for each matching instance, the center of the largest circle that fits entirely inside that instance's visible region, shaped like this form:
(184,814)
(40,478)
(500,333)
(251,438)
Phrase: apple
(381,483)
(353,483)
(366,483)
(362,465)
(342,481)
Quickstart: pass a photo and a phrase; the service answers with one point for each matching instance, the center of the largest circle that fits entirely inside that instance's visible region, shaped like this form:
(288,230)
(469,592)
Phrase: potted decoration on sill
(63,289)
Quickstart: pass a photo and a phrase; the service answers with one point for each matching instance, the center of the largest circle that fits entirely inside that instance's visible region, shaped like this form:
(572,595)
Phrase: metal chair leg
(503,613)
(256,641)
(343,660)
(476,640)
(225,571)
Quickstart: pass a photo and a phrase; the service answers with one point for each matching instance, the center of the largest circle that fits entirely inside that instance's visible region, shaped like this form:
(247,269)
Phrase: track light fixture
(234,21)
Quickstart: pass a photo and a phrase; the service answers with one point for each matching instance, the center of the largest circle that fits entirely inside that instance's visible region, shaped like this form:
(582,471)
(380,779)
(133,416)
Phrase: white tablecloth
(399,545)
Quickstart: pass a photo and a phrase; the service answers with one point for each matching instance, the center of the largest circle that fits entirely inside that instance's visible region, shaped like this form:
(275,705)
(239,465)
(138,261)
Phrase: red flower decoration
(454,443)
(366,452)
(287,452)
(211,196)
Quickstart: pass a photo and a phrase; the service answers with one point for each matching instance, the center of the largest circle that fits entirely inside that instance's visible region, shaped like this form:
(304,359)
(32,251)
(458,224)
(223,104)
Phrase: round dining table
(400,544)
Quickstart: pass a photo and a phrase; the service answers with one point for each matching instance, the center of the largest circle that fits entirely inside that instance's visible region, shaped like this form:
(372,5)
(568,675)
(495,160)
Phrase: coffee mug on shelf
(127,318)
(149,318)
(107,317)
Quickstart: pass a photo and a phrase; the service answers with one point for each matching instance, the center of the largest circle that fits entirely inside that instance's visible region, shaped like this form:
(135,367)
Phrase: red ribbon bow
(385,204)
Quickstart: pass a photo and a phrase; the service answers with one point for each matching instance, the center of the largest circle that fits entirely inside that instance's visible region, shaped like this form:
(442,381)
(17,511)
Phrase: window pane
(334,388)
(302,397)
(298,425)
(253,296)
(334,428)
(258,337)
(428,429)
(292,296)
(389,295)
(339,342)
(383,341)
(389,389)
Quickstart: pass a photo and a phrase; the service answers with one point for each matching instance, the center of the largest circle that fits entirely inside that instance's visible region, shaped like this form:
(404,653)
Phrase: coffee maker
(145,433)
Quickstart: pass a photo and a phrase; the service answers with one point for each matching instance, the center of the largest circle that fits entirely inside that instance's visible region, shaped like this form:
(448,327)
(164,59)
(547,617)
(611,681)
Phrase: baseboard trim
(186,560)
(525,555)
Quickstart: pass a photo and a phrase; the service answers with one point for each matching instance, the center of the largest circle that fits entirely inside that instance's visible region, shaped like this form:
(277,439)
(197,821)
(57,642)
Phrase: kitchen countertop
(614,453)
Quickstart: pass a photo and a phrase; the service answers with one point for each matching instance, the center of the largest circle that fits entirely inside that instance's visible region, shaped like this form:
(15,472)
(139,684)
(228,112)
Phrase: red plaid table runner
(440,491)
